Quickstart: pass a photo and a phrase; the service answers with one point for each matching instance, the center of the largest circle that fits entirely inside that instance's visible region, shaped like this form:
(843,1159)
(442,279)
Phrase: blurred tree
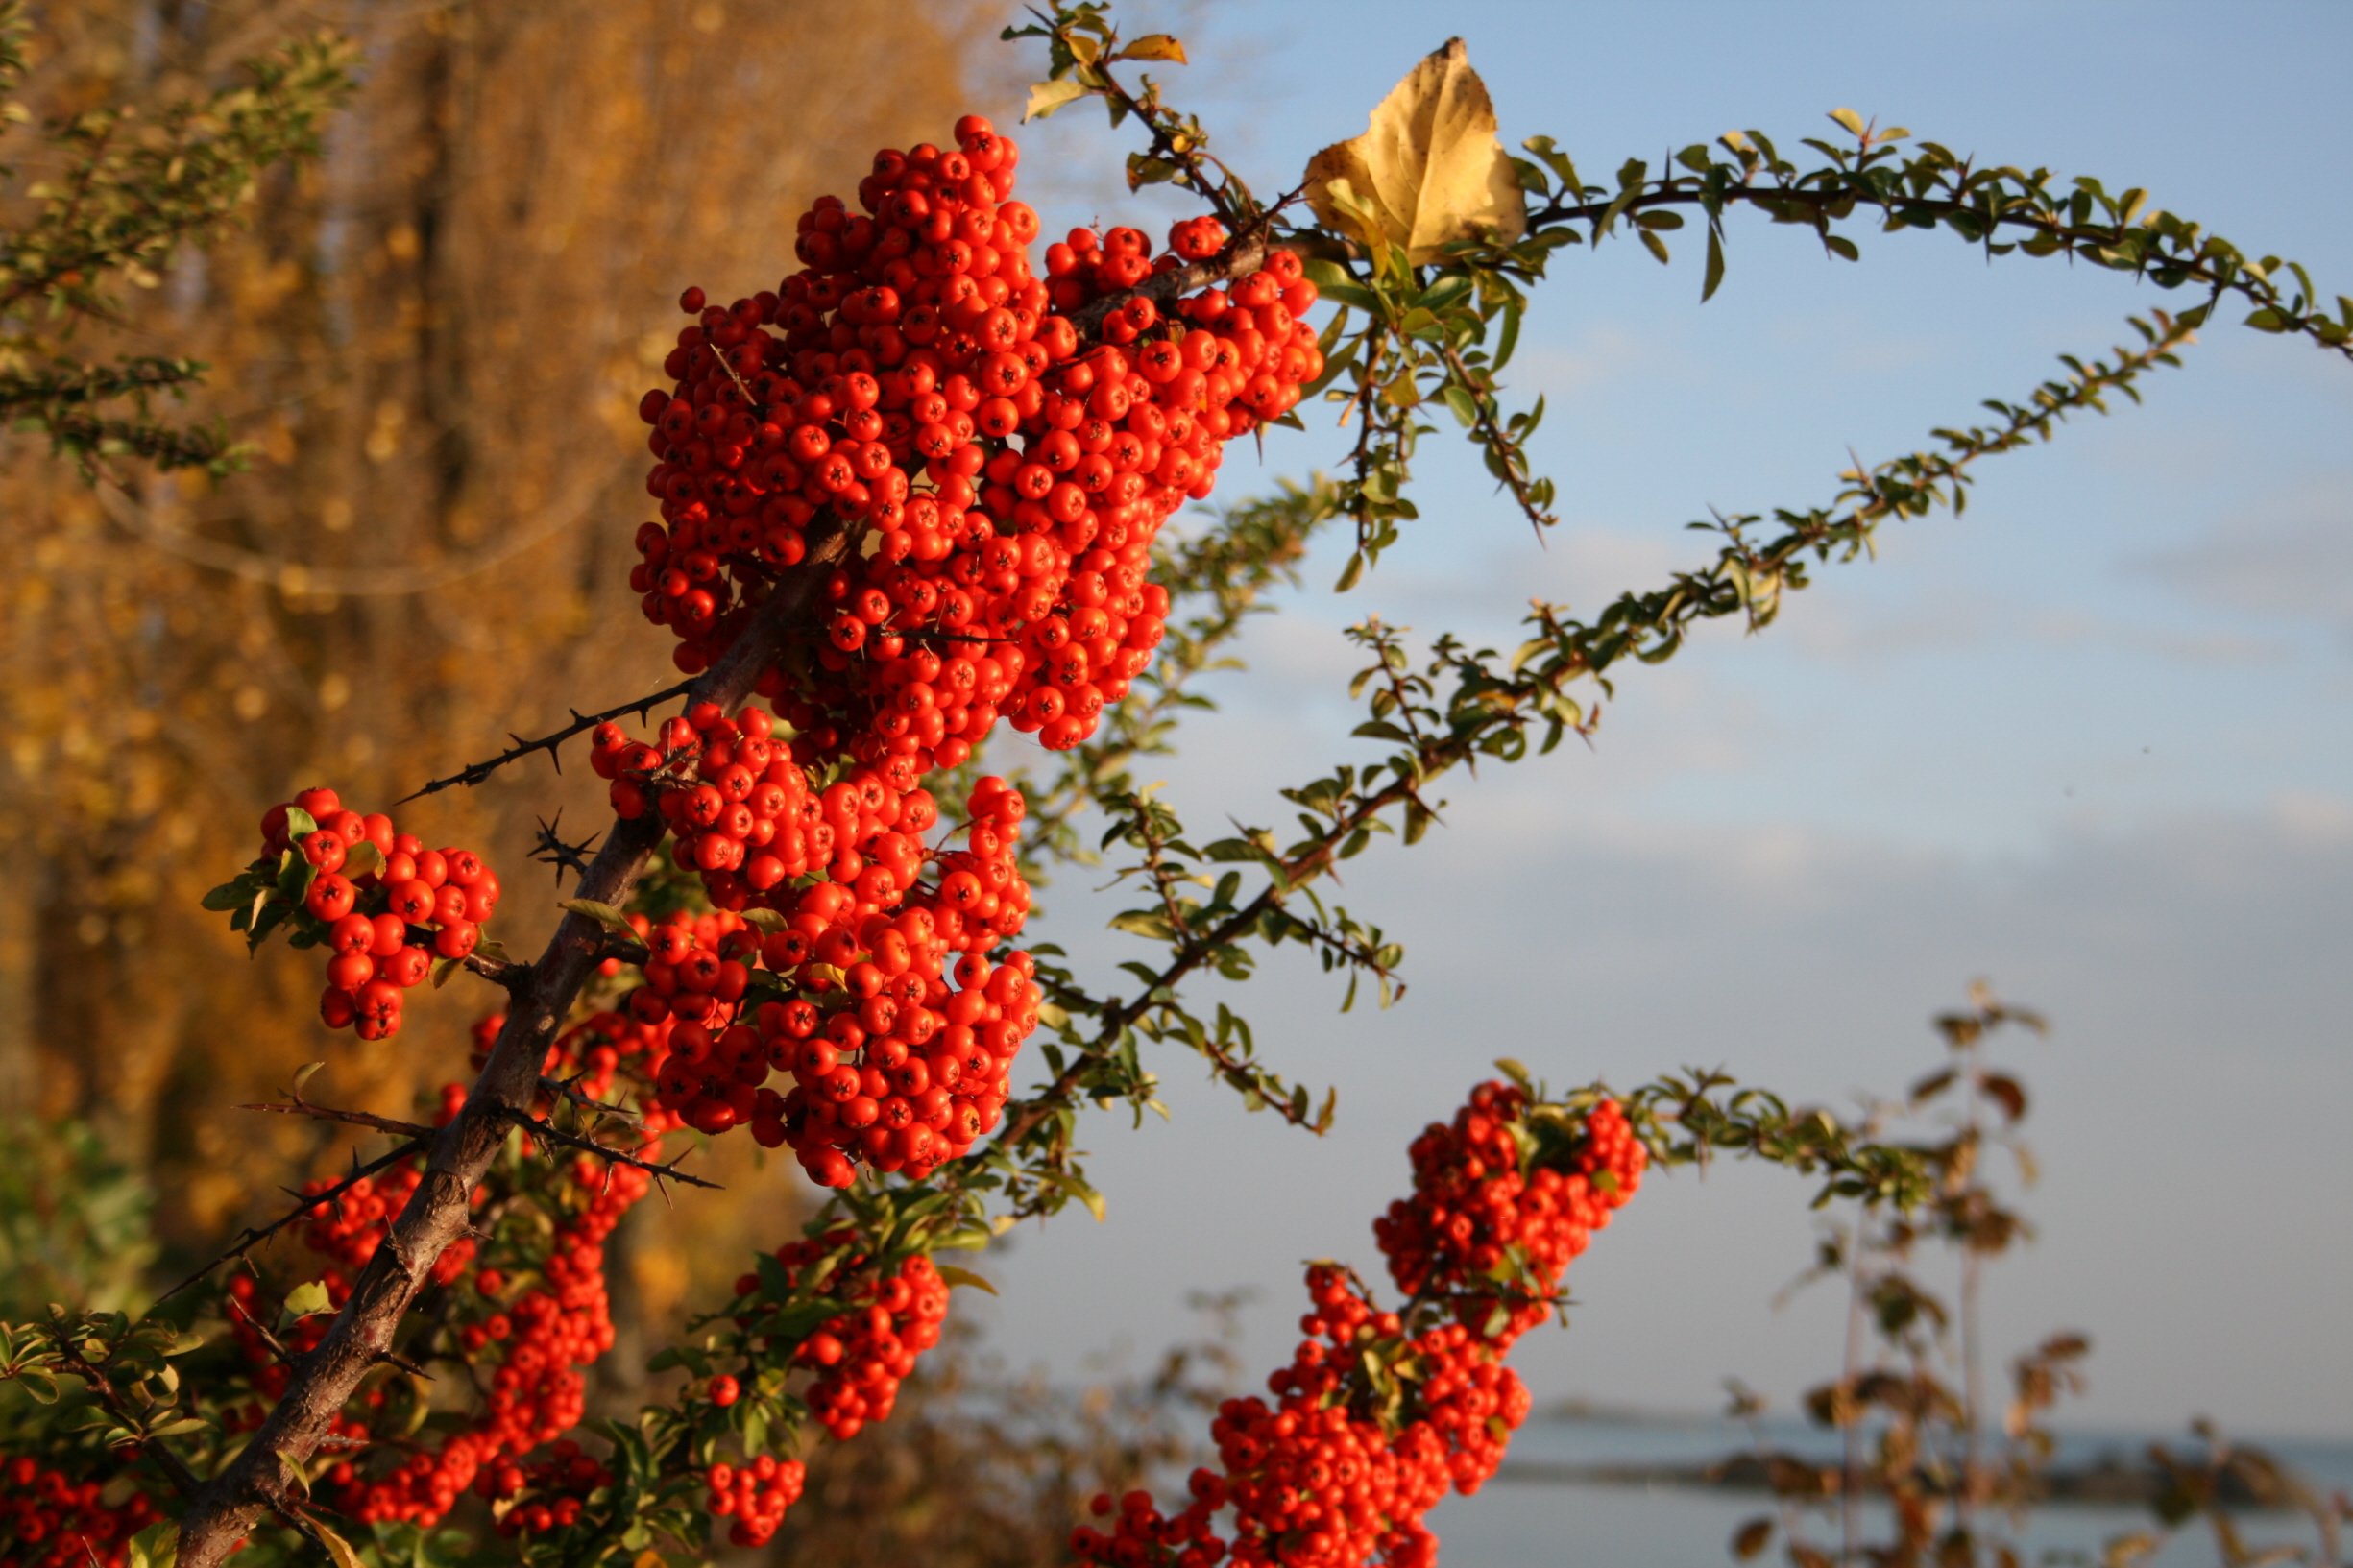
(405,335)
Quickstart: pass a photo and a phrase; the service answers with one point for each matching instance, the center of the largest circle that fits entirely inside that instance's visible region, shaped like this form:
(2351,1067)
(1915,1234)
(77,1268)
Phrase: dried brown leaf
(1428,171)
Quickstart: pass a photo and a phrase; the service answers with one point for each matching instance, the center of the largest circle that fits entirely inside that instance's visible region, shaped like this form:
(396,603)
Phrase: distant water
(1534,1523)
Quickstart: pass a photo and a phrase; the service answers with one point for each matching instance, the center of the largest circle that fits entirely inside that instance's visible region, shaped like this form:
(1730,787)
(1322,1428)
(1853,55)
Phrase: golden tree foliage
(434,338)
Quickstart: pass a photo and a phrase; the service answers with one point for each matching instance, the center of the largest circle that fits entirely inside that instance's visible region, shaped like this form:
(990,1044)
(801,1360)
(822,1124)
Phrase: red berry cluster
(916,366)
(1340,1467)
(544,1494)
(384,905)
(532,1341)
(737,807)
(754,1496)
(892,1064)
(917,382)
(1476,1193)
(861,1357)
(50,1521)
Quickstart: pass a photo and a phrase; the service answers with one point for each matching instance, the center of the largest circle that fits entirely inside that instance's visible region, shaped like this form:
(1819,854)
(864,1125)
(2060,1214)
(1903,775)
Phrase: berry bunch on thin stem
(1380,1412)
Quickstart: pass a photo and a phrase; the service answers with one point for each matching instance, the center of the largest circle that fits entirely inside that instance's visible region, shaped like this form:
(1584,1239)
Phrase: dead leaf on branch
(1428,171)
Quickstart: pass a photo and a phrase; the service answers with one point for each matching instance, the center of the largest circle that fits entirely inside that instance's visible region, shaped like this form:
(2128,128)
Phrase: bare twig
(299,1106)
(548,1131)
(568,1090)
(252,1237)
(474,773)
(552,850)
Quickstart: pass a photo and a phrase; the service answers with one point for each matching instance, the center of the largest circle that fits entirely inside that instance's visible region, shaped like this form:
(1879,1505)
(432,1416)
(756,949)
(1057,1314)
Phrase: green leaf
(1716,266)
(305,1299)
(1143,170)
(954,1276)
(1079,1188)
(158,1546)
(1850,120)
(1509,338)
(1045,97)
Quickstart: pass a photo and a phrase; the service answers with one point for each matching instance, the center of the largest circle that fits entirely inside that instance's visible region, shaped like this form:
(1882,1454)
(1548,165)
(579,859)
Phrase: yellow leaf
(1156,46)
(1429,170)
(337,1547)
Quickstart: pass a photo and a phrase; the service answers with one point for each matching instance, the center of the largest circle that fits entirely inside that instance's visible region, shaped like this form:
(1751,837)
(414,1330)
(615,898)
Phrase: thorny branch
(542,995)
(548,1131)
(474,773)
(1905,486)
(254,1237)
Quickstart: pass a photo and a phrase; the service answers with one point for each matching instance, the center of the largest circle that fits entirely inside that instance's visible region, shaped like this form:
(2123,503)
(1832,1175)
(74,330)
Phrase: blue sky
(2090,740)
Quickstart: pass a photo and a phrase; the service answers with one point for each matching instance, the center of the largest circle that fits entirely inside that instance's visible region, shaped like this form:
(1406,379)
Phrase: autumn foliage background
(435,337)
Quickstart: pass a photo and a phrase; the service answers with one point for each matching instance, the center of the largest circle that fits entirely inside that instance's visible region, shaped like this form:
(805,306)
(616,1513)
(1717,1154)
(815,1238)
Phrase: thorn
(394,1359)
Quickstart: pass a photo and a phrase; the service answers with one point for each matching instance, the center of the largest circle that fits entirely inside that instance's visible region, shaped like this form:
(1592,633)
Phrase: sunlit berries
(383,904)
(1379,1413)
(1003,470)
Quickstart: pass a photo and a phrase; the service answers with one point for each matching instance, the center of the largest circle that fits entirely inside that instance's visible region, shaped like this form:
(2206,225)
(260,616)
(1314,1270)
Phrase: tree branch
(542,1128)
(461,1152)
(299,1106)
(1899,488)
(474,773)
(253,1238)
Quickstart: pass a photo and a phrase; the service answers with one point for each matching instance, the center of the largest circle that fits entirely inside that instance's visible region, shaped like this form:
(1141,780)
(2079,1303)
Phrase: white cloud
(2291,561)
(2194,972)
